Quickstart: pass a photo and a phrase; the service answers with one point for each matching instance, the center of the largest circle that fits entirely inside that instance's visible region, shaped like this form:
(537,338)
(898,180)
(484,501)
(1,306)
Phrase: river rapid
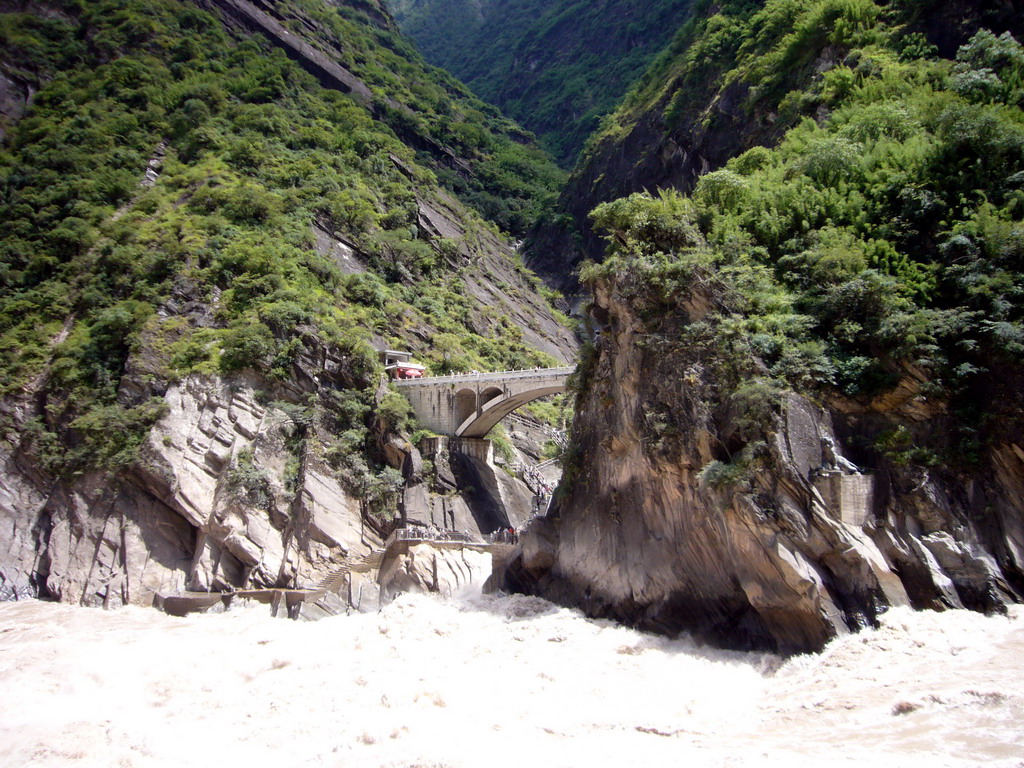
(496,681)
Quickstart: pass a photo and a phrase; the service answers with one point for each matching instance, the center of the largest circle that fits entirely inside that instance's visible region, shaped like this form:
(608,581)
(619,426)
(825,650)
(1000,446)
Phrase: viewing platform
(447,540)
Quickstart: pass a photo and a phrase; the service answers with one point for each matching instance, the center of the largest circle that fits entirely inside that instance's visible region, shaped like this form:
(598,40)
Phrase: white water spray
(503,681)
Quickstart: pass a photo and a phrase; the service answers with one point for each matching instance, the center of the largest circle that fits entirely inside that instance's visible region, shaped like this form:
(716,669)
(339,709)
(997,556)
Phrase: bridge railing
(426,534)
(558,435)
(500,536)
(456,378)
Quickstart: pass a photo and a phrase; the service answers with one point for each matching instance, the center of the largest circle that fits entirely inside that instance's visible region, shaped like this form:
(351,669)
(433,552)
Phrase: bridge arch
(469,404)
(479,423)
(489,394)
(465,404)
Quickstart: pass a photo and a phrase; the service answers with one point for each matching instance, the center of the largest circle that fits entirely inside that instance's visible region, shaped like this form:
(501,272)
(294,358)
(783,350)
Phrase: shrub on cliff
(883,237)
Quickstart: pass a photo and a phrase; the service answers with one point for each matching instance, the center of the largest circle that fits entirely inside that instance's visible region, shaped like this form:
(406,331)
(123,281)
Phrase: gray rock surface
(178,519)
(466,493)
(423,567)
(15,96)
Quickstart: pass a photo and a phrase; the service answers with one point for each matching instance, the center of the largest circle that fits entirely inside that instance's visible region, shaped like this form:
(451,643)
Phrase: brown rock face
(802,548)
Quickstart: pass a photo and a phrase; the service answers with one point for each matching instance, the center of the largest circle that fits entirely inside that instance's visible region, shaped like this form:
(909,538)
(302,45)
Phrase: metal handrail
(523,373)
(425,534)
(535,423)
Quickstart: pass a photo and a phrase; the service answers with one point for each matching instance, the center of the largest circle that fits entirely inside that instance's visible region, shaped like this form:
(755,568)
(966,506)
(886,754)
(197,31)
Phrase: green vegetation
(550,450)
(506,178)
(762,49)
(554,67)
(503,447)
(248,482)
(883,239)
(724,475)
(110,289)
(555,411)
(345,418)
(769,57)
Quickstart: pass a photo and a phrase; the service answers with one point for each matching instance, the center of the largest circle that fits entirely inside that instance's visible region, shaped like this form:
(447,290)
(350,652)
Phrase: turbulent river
(503,681)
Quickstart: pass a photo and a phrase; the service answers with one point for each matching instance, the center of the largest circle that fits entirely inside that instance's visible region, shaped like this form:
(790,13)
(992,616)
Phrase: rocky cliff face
(15,95)
(805,546)
(235,487)
(431,568)
(222,496)
(711,491)
(273,473)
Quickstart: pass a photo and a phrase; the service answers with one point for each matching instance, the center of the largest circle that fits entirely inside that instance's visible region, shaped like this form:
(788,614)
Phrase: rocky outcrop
(208,506)
(425,567)
(800,546)
(464,490)
(249,17)
(15,96)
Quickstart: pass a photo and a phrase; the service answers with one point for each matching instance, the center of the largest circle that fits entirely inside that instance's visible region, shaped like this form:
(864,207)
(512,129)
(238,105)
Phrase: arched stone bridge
(469,404)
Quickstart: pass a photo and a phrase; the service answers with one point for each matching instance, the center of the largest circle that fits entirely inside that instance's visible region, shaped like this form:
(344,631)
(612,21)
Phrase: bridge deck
(460,378)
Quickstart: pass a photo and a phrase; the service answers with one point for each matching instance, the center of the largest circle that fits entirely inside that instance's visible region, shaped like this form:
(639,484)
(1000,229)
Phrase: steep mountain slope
(737,75)
(554,67)
(213,212)
(805,398)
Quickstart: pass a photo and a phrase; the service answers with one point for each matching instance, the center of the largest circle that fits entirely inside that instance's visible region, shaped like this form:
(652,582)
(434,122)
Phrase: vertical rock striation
(803,547)
(214,502)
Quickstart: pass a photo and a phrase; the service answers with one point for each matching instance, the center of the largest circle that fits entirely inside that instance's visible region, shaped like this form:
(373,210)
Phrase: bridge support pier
(480,449)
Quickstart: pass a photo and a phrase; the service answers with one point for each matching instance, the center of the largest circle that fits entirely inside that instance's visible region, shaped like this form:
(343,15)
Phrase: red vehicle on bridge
(407,371)
(399,365)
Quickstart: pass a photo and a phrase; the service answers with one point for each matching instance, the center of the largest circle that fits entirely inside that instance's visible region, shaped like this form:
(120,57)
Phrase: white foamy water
(509,681)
